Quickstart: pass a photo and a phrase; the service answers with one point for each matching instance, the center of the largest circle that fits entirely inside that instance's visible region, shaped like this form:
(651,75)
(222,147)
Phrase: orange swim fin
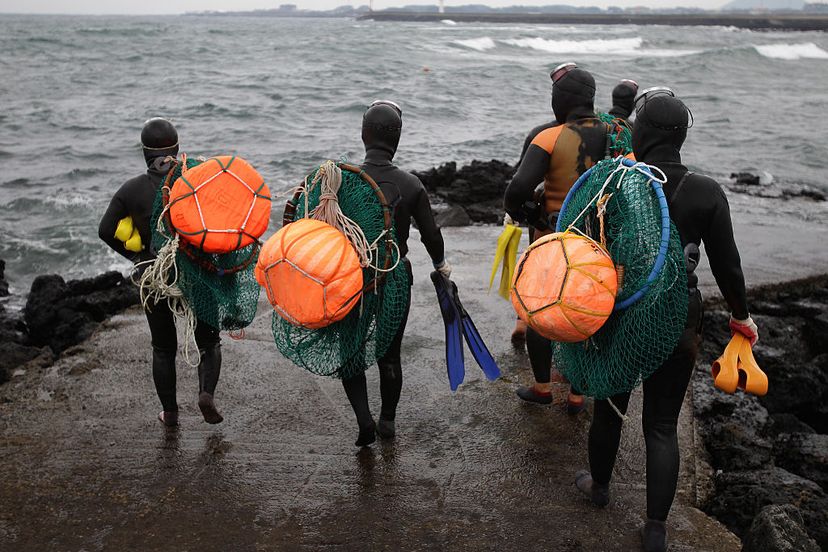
(751,378)
(725,369)
(737,369)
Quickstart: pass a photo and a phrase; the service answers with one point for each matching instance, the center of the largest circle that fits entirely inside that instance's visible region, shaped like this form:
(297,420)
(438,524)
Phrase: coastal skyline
(149,7)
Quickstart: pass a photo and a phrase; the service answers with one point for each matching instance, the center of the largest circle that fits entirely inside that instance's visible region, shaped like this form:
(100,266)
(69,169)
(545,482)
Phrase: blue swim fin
(474,341)
(451,318)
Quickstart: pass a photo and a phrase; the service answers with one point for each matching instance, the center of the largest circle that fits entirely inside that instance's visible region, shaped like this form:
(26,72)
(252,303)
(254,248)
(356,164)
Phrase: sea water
(288,94)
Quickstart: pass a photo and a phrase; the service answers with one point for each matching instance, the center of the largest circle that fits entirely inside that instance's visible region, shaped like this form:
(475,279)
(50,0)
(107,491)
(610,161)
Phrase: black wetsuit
(700,211)
(409,199)
(135,199)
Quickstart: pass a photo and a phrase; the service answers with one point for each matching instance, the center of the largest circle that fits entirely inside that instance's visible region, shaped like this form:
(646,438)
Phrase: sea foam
(479,44)
(803,50)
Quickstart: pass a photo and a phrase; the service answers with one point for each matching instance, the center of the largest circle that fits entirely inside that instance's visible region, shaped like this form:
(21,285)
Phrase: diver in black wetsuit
(381,128)
(699,209)
(135,199)
(623,96)
(556,155)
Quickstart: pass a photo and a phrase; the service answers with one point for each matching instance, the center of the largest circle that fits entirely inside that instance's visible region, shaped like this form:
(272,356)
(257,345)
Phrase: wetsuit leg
(164,346)
(540,355)
(663,396)
(605,436)
(390,371)
(209,347)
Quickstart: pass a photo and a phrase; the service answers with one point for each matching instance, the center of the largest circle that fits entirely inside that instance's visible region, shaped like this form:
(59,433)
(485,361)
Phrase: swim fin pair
(128,234)
(506,253)
(737,369)
(459,325)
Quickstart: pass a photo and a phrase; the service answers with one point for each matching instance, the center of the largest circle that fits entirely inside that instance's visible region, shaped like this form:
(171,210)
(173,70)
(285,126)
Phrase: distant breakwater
(770,21)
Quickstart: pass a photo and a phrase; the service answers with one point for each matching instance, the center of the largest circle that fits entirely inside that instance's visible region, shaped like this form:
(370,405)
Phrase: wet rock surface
(476,188)
(4,285)
(778,529)
(763,184)
(58,315)
(770,450)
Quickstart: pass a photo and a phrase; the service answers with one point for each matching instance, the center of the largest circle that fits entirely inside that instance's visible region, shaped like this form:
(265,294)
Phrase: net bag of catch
(620,204)
(337,246)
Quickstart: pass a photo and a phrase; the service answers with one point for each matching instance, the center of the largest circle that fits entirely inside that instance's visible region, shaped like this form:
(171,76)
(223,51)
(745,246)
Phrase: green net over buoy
(220,288)
(652,300)
(619,137)
(346,348)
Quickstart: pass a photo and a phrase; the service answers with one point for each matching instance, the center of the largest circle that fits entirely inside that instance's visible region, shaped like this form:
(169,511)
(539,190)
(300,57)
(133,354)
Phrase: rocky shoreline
(58,315)
(769,455)
(474,192)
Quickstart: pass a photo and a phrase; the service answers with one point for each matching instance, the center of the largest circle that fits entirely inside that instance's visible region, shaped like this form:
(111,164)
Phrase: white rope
(623,417)
(647,170)
(159,282)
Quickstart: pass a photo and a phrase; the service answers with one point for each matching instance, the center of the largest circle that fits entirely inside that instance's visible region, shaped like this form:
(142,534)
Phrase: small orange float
(564,287)
(220,206)
(311,273)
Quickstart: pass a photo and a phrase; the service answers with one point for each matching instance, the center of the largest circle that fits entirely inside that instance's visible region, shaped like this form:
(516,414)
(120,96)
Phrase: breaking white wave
(448,22)
(616,46)
(807,50)
(479,44)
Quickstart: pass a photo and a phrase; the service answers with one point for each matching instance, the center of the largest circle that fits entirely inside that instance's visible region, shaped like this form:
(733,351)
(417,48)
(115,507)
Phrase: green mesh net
(347,347)
(651,305)
(220,288)
(619,137)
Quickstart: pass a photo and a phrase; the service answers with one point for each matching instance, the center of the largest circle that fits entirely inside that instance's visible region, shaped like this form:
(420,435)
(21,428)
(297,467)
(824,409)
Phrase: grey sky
(180,6)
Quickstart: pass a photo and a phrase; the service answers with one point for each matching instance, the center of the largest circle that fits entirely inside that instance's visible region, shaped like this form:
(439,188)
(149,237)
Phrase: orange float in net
(220,206)
(564,287)
(311,273)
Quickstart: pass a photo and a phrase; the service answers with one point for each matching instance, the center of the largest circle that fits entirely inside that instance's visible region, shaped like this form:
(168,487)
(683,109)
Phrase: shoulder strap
(678,187)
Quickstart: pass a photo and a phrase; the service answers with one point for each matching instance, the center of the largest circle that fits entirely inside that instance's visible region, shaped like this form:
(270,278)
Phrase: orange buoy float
(311,273)
(564,287)
(220,206)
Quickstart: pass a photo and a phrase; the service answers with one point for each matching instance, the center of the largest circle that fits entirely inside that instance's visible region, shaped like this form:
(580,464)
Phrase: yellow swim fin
(134,242)
(507,246)
(124,230)
(510,263)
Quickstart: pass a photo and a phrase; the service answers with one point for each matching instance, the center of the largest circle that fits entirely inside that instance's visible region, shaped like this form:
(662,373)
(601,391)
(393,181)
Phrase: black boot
(163,375)
(654,536)
(208,374)
(357,392)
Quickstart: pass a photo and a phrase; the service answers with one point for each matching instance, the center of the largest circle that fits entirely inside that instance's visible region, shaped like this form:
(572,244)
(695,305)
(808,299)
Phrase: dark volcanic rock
(60,314)
(778,529)
(805,454)
(13,355)
(764,185)
(740,496)
(732,425)
(4,285)
(787,423)
(447,215)
(477,188)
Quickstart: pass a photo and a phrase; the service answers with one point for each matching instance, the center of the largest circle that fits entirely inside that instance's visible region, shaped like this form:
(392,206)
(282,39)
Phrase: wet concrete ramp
(87,466)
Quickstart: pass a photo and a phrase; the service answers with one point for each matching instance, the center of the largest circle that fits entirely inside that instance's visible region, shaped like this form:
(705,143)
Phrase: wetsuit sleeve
(109,223)
(430,233)
(522,187)
(723,255)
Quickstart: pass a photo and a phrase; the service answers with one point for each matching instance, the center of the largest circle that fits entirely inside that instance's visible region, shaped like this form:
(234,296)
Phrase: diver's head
(623,97)
(381,127)
(159,139)
(661,123)
(572,88)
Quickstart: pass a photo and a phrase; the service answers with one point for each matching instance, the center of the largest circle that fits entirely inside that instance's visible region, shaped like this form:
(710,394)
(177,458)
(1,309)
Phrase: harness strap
(678,187)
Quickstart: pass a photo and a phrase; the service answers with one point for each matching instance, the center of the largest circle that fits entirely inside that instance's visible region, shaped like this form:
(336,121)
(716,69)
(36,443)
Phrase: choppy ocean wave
(626,47)
(288,94)
(805,50)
